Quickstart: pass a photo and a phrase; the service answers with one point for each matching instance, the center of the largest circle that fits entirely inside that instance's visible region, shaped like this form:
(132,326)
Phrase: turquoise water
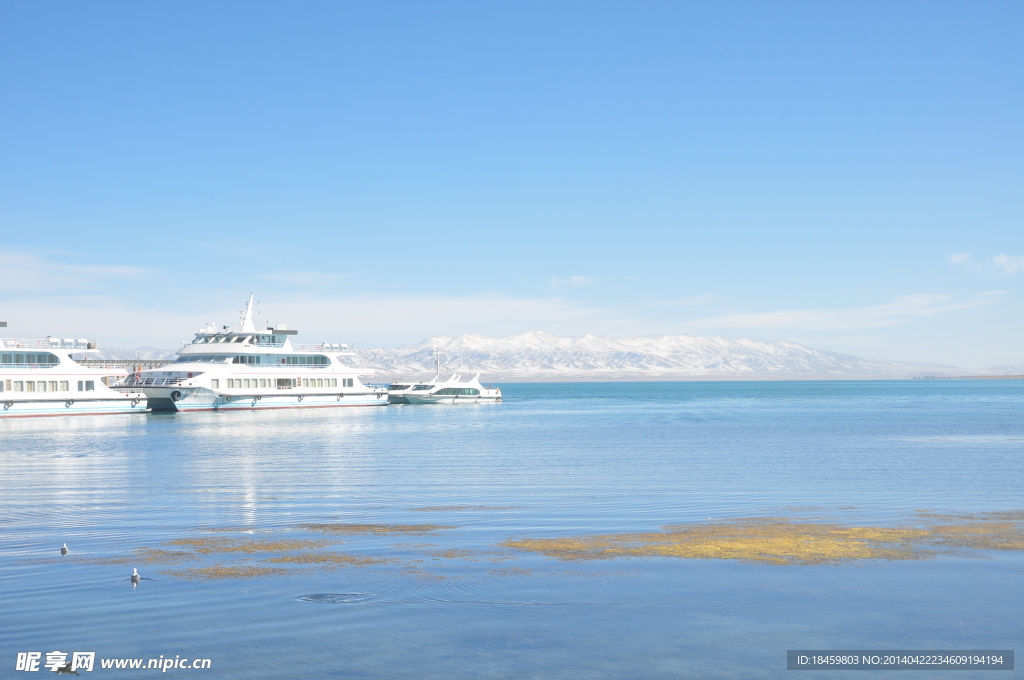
(552,460)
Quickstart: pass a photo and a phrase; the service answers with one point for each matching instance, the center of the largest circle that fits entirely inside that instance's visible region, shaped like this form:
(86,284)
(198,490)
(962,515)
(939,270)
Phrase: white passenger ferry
(39,378)
(247,369)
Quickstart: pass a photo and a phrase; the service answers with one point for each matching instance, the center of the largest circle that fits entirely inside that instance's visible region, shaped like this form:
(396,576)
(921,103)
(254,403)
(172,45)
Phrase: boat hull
(452,399)
(37,408)
(189,399)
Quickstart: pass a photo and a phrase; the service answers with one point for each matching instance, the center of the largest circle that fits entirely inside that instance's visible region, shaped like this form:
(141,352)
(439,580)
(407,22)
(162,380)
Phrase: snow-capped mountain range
(541,356)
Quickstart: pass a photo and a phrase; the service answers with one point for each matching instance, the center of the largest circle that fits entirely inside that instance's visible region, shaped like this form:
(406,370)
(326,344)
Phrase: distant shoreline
(971,377)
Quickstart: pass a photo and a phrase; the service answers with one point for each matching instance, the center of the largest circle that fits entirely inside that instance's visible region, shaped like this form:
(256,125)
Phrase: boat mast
(246,325)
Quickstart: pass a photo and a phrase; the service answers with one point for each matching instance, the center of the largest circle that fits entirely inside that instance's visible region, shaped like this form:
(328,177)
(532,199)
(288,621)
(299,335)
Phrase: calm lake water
(553,460)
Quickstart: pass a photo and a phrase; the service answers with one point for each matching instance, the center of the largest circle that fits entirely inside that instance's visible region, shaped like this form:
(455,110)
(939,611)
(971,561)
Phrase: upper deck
(45,344)
(269,341)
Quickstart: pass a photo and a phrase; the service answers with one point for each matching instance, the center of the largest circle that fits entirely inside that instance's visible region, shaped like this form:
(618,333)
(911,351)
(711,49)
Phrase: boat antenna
(437,360)
(246,325)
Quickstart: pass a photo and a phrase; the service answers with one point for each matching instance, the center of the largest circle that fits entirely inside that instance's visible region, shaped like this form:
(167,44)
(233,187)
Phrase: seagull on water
(64,550)
(135,576)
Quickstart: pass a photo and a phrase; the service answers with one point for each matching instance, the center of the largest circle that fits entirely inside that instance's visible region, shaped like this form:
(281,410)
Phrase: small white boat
(437,391)
(39,378)
(245,369)
(452,391)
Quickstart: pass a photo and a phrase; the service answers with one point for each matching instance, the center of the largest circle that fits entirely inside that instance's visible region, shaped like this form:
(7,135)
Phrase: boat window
(458,392)
(398,387)
(30,386)
(8,359)
(349,382)
(423,387)
(90,386)
(215,383)
(64,386)
(334,382)
(285,383)
(81,385)
(19,386)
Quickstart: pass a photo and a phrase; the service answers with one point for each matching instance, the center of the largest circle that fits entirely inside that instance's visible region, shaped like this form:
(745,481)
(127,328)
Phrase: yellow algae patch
(327,559)
(149,556)
(781,541)
(216,544)
(982,535)
(220,571)
(451,554)
(374,528)
(102,560)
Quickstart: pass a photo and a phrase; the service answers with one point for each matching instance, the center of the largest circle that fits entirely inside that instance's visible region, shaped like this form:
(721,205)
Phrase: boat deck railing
(45,343)
(132,381)
(124,363)
(322,347)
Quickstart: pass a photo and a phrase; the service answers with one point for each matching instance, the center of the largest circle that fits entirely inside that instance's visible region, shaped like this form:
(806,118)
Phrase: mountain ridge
(537,355)
(541,356)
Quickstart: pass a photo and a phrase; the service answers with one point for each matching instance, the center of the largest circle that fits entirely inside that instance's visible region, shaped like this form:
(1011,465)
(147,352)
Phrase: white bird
(135,576)
(64,550)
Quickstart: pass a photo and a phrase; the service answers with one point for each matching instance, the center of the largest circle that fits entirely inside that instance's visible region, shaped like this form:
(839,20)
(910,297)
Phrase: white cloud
(305,278)
(894,313)
(691,301)
(570,282)
(391,319)
(380,320)
(1000,265)
(1008,264)
(25,271)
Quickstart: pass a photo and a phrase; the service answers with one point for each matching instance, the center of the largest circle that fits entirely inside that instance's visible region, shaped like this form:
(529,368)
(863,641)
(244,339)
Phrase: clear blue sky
(847,175)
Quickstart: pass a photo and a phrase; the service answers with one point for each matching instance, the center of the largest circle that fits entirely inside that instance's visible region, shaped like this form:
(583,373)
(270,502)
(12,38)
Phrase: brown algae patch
(221,571)
(151,556)
(218,544)
(230,530)
(981,535)
(327,559)
(781,541)
(103,560)
(374,528)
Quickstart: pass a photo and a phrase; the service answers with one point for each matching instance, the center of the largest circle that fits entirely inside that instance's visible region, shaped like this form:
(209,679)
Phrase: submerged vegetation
(263,555)
(374,528)
(251,553)
(787,541)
